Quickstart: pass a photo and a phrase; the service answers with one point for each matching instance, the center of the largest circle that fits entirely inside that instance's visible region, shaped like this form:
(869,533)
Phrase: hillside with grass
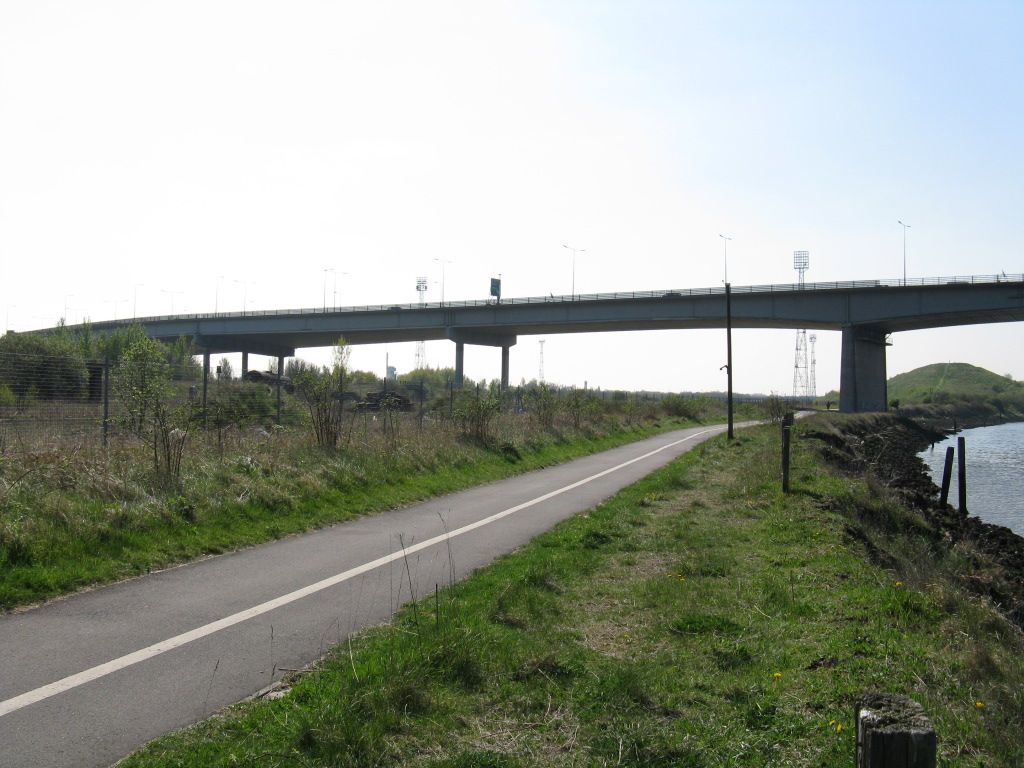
(958,390)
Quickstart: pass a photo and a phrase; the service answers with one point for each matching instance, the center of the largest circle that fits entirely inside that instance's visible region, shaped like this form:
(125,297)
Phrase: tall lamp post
(135,299)
(216,294)
(574,252)
(728,353)
(905,228)
(442,262)
(245,294)
(725,243)
(728,330)
(326,270)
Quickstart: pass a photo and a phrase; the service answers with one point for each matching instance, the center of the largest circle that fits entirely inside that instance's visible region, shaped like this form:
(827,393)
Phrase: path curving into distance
(90,678)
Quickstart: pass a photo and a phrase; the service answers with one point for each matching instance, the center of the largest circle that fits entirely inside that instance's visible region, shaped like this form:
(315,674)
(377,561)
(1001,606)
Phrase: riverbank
(887,448)
(699,618)
(960,415)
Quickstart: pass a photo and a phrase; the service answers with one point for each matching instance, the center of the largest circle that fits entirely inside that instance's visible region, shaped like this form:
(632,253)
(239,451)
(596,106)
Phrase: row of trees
(68,365)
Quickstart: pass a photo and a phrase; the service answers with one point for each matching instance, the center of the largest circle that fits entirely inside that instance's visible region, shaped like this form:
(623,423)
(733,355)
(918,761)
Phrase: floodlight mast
(801,263)
(801,373)
(421,346)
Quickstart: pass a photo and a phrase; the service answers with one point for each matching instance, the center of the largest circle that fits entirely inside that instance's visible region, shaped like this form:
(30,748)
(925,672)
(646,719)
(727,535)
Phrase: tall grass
(76,515)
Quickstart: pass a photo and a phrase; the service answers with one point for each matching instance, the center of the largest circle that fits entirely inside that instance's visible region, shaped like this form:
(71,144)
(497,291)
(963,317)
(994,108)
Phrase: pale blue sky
(159,154)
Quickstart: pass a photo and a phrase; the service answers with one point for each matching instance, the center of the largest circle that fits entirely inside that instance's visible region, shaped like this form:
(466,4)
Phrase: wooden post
(961,474)
(786,431)
(893,732)
(947,476)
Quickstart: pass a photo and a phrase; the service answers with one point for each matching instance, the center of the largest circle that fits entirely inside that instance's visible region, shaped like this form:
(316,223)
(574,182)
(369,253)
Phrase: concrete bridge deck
(866,311)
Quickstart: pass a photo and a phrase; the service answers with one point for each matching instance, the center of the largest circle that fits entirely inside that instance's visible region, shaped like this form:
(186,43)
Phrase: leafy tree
(224,370)
(474,414)
(321,391)
(542,405)
(45,367)
(142,382)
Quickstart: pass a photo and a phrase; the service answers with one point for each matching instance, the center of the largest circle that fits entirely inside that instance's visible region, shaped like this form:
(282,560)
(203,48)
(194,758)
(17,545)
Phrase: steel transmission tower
(801,371)
(540,372)
(421,346)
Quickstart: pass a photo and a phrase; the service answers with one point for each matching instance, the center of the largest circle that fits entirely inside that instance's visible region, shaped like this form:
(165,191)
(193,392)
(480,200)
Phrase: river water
(995,473)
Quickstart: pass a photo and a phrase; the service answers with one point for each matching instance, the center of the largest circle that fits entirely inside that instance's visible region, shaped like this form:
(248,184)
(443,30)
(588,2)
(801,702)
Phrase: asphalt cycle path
(89,678)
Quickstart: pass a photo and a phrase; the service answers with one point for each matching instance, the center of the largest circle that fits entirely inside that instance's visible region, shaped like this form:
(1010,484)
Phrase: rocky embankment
(886,447)
(962,415)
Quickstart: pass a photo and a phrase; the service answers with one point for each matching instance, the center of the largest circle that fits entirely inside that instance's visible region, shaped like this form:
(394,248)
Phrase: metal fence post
(106,399)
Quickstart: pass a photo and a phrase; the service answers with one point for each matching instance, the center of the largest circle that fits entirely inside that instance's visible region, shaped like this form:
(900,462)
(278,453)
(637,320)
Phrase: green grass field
(699,618)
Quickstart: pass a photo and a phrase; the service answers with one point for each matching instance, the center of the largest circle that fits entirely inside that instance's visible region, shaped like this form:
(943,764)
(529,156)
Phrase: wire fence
(65,402)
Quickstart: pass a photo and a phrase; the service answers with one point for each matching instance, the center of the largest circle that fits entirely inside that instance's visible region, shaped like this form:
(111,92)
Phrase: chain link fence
(63,402)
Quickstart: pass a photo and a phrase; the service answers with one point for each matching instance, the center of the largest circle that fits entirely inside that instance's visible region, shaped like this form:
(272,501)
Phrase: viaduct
(866,312)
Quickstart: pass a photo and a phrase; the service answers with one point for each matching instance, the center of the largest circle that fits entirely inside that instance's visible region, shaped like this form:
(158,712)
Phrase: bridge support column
(504,368)
(460,353)
(245,363)
(862,379)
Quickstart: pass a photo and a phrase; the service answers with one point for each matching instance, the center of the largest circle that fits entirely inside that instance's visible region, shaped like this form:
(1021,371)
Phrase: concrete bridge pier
(485,338)
(460,355)
(862,379)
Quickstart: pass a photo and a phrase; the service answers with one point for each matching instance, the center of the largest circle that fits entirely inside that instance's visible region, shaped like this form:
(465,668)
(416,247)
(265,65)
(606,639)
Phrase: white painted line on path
(102,670)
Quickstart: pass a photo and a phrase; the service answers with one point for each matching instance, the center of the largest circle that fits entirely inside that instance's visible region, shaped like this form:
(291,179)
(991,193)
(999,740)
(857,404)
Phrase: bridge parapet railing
(618,295)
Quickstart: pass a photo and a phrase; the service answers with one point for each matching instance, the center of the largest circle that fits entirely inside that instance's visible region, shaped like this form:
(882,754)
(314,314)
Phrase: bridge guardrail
(667,293)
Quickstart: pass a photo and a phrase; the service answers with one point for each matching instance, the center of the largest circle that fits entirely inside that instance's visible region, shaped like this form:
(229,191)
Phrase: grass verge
(82,521)
(699,618)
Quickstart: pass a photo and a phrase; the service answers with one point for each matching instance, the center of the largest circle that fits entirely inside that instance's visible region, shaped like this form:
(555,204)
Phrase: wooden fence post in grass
(786,432)
(947,476)
(893,732)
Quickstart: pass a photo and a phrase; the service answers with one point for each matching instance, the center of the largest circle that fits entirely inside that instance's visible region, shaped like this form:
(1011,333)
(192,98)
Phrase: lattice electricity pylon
(801,382)
(812,382)
(540,371)
(421,346)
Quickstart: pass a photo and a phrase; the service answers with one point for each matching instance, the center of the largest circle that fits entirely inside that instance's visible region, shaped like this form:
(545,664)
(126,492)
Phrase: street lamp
(216,294)
(171,294)
(336,273)
(245,294)
(135,299)
(326,270)
(725,244)
(574,252)
(905,228)
(442,262)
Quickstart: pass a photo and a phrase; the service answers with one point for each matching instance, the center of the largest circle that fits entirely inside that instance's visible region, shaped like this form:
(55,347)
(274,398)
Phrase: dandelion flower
(979,705)
(777,675)
(899,584)
(839,727)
